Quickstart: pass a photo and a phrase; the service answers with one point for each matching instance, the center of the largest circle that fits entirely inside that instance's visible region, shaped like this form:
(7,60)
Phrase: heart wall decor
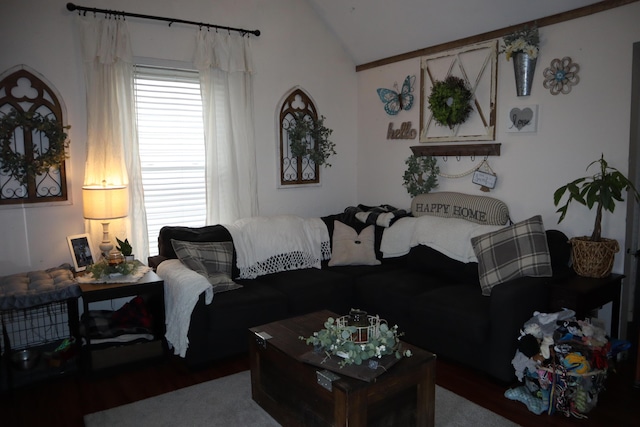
(522,118)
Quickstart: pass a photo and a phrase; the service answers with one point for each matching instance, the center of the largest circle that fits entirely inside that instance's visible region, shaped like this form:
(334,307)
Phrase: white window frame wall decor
(477,66)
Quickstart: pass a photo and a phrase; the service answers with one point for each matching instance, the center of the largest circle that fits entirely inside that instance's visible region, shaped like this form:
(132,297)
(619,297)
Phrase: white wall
(572,130)
(294,49)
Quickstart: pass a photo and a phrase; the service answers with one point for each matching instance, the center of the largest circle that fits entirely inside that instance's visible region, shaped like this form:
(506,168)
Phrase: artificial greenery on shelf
(103,269)
(310,138)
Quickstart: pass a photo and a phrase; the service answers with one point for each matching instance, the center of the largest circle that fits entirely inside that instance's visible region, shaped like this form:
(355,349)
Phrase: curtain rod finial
(71,7)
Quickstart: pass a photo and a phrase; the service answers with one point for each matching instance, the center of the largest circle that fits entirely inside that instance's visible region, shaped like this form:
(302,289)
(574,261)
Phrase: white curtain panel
(225,65)
(112,143)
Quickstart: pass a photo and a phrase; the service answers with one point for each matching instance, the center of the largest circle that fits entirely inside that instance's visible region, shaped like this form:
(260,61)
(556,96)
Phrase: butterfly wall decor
(395,100)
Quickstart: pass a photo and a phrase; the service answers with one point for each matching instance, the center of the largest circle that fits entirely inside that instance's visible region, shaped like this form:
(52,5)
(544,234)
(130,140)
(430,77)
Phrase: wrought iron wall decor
(32,161)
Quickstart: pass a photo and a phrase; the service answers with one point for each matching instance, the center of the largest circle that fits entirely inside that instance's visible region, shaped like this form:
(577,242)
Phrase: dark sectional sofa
(435,300)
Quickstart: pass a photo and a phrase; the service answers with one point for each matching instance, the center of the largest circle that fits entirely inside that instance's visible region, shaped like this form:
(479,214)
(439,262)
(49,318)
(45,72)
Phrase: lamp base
(105,246)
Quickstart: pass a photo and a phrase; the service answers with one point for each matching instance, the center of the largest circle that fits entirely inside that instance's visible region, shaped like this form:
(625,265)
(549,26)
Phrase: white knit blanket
(450,236)
(267,245)
(182,288)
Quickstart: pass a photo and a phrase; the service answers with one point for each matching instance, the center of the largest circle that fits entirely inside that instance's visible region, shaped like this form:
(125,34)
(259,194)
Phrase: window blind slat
(171,148)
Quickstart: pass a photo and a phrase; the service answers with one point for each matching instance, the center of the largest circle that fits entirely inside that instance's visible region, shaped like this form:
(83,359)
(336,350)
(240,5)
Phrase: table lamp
(105,202)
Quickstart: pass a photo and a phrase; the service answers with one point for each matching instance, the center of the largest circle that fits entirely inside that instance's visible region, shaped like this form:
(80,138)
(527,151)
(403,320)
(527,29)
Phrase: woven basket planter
(593,259)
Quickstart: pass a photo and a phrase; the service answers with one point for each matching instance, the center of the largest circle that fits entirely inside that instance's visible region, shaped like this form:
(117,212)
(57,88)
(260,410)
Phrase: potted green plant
(593,256)
(125,248)
(309,137)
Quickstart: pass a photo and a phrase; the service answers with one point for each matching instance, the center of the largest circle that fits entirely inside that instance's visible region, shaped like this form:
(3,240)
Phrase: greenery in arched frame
(297,169)
(33,140)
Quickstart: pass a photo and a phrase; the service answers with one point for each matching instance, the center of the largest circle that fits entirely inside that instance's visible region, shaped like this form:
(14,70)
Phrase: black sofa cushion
(451,312)
(390,293)
(220,329)
(427,260)
(311,289)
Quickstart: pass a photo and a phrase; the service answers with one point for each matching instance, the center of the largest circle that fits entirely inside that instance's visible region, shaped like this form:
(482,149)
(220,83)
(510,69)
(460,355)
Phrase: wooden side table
(151,287)
(584,294)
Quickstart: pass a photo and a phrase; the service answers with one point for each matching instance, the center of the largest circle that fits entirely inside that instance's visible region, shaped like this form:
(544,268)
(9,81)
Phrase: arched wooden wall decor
(24,92)
(296,170)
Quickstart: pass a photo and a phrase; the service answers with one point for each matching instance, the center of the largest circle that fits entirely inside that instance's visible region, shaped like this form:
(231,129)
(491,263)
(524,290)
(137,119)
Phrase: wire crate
(36,325)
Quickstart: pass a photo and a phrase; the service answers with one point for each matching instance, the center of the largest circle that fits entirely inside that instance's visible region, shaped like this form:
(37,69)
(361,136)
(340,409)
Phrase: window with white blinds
(171,138)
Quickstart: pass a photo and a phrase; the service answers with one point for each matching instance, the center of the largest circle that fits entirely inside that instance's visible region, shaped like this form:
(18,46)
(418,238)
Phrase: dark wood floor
(64,401)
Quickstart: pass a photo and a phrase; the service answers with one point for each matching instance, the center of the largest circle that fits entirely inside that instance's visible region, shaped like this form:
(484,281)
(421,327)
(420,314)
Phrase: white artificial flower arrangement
(526,41)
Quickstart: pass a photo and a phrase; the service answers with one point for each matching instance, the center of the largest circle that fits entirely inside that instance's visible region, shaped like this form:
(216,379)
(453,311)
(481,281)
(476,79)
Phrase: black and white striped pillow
(479,209)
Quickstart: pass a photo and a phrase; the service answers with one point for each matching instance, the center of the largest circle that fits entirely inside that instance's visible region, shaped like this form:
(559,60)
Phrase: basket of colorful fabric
(562,363)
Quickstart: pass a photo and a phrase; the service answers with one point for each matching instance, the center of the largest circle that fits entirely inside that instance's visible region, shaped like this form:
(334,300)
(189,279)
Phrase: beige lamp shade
(105,202)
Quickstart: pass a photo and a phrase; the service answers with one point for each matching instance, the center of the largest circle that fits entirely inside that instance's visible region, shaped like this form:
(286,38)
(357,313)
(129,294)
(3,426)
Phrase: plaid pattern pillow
(514,251)
(213,260)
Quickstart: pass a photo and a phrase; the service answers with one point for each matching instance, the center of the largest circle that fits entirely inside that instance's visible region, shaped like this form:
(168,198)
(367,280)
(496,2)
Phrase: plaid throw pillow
(213,260)
(514,251)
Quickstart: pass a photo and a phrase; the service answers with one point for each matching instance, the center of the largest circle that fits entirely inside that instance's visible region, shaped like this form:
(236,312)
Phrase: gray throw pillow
(511,252)
(213,260)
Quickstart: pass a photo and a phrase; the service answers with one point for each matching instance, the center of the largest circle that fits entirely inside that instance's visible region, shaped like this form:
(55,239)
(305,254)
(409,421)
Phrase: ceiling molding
(542,22)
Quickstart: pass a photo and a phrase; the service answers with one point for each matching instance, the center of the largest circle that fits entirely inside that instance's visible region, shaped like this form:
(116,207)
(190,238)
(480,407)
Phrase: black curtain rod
(71,7)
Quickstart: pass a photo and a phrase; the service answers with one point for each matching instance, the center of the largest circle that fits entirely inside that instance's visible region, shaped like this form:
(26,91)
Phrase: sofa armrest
(512,304)
(154,261)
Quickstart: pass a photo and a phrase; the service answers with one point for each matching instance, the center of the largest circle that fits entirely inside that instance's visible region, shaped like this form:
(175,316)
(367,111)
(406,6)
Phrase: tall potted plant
(593,256)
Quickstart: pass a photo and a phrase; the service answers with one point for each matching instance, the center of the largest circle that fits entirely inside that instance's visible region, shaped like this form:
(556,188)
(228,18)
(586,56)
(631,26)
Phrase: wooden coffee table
(294,394)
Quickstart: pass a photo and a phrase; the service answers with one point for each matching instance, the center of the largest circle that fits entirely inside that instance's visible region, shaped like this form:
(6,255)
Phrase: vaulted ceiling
(372,30)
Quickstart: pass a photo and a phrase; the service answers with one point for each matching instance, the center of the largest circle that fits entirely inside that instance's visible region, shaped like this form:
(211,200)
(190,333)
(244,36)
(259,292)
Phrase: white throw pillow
(351,248)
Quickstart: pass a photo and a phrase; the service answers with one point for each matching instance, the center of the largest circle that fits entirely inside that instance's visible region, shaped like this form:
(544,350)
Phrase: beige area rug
(226,402)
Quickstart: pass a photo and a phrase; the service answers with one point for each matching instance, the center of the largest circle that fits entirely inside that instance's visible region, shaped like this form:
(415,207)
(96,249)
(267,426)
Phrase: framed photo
(522,118)
(81,252)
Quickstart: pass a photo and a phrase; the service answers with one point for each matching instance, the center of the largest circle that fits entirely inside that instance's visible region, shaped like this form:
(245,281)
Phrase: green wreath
(421,175)
(450,101)
(16,164)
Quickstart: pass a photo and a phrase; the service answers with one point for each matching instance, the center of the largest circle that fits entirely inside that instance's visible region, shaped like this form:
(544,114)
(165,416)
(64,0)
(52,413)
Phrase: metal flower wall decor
(561,76)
